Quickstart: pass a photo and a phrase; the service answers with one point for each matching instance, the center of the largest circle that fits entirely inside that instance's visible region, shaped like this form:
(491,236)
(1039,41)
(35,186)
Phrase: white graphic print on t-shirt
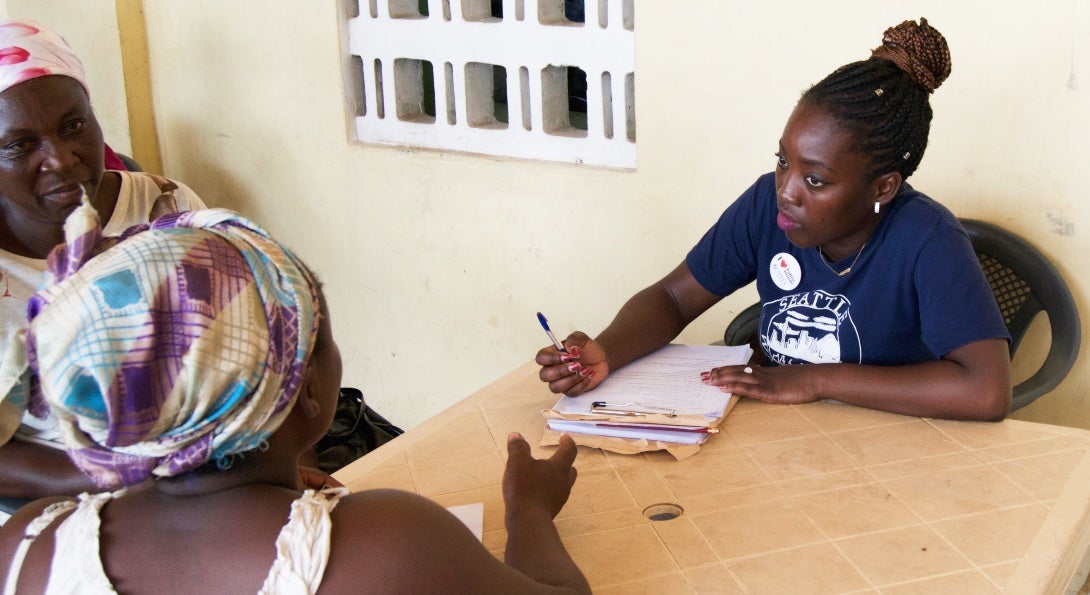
(812,327)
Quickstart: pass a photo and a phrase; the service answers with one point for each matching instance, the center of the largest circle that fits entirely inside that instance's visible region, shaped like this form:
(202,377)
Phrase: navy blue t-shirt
(916,292)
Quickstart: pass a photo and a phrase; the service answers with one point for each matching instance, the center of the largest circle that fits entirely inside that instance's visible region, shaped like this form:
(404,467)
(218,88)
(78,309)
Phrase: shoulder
(766,183)
(13,532)
(385,527)
(919,214)
(763,189)
(918,225)
(16,526)
(755,205)
(760,199)
(145,187)
(384,534)
(391,511)
(924,236)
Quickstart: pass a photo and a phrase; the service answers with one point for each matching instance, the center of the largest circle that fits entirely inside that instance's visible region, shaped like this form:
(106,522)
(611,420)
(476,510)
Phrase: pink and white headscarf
(28,50)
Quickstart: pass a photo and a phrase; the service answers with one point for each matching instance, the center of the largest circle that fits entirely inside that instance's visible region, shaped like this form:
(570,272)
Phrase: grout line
(940,575)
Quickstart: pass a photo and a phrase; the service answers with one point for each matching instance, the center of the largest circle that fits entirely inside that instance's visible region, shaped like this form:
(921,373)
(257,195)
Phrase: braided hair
(883,101)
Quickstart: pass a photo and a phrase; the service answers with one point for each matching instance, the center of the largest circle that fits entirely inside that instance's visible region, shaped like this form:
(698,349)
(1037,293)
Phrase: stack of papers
(659,397)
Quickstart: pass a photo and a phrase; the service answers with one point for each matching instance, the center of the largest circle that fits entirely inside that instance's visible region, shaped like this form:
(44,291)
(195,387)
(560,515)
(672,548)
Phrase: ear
(308,404)
(886,186)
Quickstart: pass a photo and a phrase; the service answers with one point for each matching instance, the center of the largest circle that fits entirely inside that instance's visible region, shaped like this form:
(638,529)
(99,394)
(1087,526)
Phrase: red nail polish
(575,353)
(574,367)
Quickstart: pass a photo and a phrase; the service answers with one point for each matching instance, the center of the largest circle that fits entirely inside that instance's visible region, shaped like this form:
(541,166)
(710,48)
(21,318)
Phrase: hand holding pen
(573,366)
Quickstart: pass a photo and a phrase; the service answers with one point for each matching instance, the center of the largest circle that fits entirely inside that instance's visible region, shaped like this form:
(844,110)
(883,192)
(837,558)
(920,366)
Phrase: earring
(876,207)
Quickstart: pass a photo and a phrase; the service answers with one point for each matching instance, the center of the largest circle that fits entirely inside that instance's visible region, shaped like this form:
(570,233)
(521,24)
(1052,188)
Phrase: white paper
(668,379)
(472,516)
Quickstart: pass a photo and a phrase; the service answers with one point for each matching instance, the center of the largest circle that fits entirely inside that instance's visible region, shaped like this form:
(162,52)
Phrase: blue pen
(548,331)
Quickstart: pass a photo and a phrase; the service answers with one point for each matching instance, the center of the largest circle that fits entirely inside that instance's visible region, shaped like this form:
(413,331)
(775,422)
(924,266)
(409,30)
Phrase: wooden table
(817,498)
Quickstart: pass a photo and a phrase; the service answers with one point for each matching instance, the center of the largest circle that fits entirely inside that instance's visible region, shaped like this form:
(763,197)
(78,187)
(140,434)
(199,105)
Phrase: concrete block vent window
(534,79)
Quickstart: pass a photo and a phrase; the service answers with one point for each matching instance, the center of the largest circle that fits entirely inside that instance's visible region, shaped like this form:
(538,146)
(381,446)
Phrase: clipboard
(663,388)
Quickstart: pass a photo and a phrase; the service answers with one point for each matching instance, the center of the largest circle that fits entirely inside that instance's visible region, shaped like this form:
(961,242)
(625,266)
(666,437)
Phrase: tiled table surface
(818,498)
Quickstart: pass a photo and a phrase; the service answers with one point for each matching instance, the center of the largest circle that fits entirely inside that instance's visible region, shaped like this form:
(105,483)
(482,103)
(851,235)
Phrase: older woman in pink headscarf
(51,152)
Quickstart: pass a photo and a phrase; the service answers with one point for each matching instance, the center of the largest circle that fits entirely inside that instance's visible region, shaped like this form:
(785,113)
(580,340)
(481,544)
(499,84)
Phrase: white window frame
(390,44)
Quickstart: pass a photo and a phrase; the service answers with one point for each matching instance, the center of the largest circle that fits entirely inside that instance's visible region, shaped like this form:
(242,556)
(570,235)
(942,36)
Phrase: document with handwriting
(666,380)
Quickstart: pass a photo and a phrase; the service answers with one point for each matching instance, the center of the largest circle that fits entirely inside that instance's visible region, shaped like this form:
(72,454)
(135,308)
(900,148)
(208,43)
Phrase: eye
(780,161)
(73,127)
(814,181)
(17,147)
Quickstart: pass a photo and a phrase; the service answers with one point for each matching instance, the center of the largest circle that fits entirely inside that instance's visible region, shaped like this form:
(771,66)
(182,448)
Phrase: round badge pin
(785,270)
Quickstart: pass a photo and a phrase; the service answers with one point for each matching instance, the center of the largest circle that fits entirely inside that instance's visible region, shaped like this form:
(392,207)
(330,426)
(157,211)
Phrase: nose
(787,189)
(58,156)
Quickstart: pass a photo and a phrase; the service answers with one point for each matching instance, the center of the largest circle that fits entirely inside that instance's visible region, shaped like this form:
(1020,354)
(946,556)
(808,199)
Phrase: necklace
(847,270)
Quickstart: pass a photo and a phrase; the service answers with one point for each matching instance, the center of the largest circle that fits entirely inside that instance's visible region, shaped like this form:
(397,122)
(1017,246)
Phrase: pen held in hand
(545,325)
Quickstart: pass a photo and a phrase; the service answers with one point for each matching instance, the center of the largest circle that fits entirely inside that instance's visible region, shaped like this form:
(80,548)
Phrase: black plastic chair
(743,329)
(130,163)
(1025,284)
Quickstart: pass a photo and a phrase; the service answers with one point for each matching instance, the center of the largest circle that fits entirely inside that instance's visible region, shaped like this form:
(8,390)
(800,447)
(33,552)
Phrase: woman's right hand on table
(582,368)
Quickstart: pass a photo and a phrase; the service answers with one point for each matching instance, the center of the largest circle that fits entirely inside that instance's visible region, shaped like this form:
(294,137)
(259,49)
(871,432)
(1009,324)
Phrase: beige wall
(435,263)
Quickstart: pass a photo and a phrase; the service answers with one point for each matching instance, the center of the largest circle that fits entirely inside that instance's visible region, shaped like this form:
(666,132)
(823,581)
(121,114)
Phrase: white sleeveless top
(302,548)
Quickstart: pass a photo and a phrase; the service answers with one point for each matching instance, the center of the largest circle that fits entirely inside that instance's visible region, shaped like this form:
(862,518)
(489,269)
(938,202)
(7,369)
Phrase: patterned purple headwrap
(28,50)
(183,341)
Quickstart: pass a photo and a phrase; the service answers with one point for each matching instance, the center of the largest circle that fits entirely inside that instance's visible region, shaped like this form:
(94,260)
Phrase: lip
(67,195)
(786,223)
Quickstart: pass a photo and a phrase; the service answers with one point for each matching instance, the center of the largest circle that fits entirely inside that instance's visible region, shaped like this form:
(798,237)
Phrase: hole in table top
(663,512)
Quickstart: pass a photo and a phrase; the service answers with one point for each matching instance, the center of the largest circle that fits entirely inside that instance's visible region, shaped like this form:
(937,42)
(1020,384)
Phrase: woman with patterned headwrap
(51,151)
(190,363)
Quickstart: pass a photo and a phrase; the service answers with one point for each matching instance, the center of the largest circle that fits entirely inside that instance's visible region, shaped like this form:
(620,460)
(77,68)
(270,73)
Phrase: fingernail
(575,353)
(705,375)
(590,374)
(566,357)
(574,367)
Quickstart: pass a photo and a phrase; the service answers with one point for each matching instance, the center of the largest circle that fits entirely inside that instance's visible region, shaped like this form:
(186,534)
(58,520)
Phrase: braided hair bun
(920,50)
(884,101)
